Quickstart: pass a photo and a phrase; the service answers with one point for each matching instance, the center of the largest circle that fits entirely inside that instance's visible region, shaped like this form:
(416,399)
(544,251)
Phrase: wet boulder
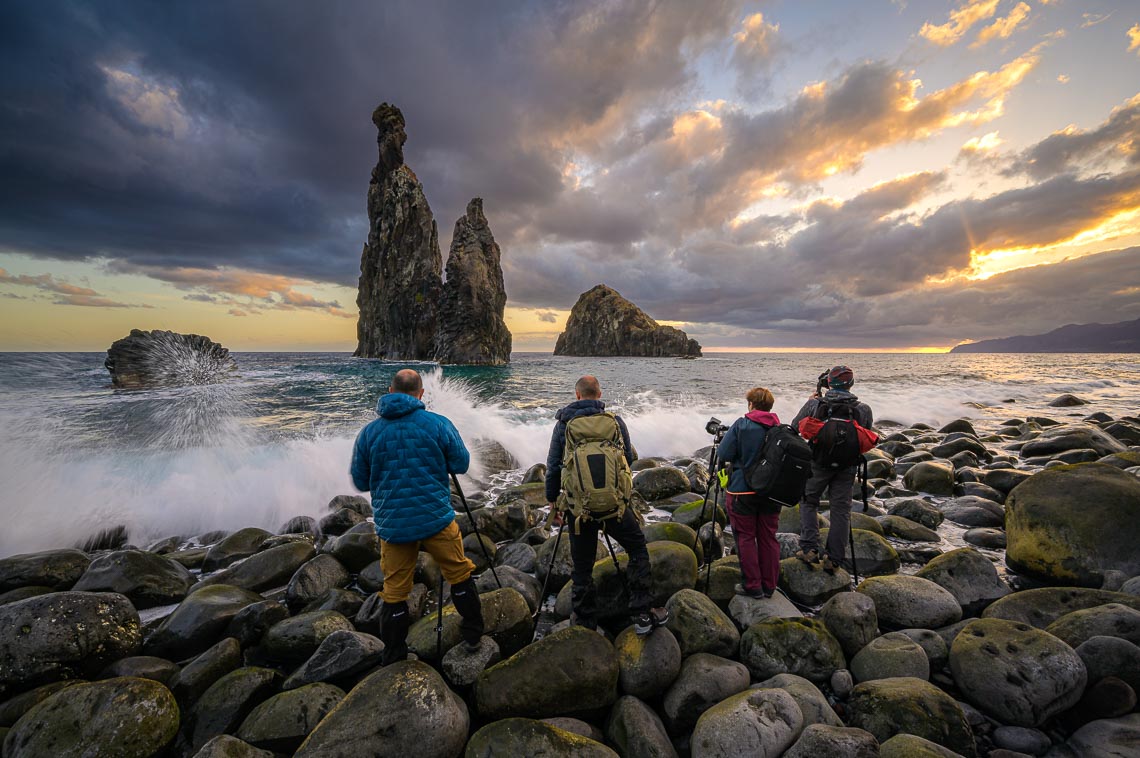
(251,623)
(904,529)
(762,723)
(506,619)
(523,736)
(314,579)
(746,611)
(700,626)
(462,667)
(142,667)
(661,482)
(198,621)
(282,722)
(517,555)
(1019,675)
(886,707)
(903,601)
(1058,439)
(225,746)
(810,585)
(904,745)
(298,637)
(64,635)
(851,619)
(265,570)
(917,510)
(508,576)
(647,664)
(813,704)
(967,575)
(1042,606)
(1105,738)
(57,569)
(970,510)
(233,547)
(199,675)
(874,555)
(341,657)
(705,680)
(635,729)
(355,550)
(146,578)
(558,565)
(821,741)
(798,646)
(1070,524)
(124,717)
(161,358)
(523,685)
(1110,656)
(892,655)
(224,706)
(1111,620)
(931,477)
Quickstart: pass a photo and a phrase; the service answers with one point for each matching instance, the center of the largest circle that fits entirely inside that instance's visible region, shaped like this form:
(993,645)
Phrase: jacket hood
(767,418)
(841,396)
(580,408)
(397,404)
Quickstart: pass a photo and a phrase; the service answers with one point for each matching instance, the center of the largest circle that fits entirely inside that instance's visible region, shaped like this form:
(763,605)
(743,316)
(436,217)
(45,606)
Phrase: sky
(812,174)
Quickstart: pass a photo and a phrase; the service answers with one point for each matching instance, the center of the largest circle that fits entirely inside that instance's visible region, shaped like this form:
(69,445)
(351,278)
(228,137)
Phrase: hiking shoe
(768,592)
(644,623)
(576,620)
(808,556)
(829,565)
(758,594)
(471,647)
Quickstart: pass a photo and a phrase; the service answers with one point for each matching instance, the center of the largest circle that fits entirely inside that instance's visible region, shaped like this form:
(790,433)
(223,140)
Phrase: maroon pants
(757,547)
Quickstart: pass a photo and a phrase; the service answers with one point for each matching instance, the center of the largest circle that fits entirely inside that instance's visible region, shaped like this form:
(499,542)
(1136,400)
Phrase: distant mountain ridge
(1122,337)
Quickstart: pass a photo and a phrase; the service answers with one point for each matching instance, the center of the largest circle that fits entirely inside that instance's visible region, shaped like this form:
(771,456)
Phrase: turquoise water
(78,455)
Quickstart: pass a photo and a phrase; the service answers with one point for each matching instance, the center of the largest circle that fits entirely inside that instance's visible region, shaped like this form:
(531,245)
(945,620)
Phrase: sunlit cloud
(67,294)
(983,144)
(962,19)
(152,104)
(1094,19)
(1003,28)
(1063,78)
(756,44)
(1134,38)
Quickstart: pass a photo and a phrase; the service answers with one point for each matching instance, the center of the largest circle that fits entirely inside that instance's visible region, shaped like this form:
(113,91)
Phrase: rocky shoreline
(259,643)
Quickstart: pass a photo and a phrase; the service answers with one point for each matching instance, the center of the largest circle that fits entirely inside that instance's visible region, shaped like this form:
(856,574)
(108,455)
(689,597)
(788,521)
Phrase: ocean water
(78,456)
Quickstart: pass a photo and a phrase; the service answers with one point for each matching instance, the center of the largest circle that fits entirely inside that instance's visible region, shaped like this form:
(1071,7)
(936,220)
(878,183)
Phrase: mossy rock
(912,746)
(700,626)
(1070,524)
(506,620)
(1111,620)
(904,529)
(227,702)
(670,531)
(811,585)
(299,637)
(760,723)
(57,569)
(574,670)
(886,707)
(1042,606)
(967,575)
(283,721)
(149,580)
(800,646)
(790,520)
(647,664)
(932,477)
(124,717)
(694,514)
(904,602)
(522,736)
(874,555)
(533,494)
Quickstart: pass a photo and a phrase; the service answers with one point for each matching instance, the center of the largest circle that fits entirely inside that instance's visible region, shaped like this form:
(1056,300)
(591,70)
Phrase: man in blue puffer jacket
(405,458)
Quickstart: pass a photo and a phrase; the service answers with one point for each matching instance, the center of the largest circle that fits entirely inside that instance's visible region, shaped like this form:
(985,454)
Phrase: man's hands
(555,515)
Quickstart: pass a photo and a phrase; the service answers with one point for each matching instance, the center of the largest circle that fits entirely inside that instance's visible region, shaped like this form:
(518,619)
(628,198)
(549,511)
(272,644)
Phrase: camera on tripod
(716,429)
(821,383)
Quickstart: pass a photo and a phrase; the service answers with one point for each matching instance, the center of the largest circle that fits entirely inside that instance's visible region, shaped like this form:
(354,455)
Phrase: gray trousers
(840,481)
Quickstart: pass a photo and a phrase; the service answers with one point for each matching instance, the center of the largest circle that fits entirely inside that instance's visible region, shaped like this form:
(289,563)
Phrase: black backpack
(782,467)
(837,443)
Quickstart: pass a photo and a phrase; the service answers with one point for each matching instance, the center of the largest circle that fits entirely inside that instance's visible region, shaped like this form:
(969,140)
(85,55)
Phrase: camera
(821,382)
(715,428)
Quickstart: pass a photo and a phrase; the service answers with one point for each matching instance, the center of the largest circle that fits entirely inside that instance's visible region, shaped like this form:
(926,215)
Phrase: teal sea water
(77,455)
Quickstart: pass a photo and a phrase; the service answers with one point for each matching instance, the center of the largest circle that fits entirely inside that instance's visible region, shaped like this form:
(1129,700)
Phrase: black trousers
(583,552)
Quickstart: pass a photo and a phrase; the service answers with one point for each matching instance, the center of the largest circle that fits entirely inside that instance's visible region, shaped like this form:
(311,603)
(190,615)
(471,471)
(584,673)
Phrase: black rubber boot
(394,623)
(465,596)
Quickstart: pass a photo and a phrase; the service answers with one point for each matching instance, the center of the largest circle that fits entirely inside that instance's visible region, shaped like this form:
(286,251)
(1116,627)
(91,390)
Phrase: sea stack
(162,359)
(603,322)
(471,326)
(401,266)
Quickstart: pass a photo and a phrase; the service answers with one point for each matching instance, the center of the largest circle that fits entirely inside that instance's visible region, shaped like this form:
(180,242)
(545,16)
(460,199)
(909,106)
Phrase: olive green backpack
(596,480)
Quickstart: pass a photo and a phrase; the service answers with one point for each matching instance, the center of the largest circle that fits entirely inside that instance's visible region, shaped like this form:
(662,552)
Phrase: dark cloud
(1115,139)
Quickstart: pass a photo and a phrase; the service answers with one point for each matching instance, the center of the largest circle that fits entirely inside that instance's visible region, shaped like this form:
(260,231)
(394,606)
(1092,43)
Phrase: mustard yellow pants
(398,562)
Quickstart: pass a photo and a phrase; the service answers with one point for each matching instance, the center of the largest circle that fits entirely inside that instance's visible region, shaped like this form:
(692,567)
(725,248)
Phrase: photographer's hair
(760,398)
(588,387)
(407,381)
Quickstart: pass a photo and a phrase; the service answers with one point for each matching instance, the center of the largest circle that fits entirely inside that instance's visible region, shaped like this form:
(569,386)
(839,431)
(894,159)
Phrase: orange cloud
(961,21)
(1134,38)
(69,294)
(1003,28)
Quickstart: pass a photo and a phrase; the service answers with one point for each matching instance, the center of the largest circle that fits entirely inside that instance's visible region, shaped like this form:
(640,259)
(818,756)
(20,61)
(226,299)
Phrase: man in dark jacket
(405,458)
(838,481)
(584,538)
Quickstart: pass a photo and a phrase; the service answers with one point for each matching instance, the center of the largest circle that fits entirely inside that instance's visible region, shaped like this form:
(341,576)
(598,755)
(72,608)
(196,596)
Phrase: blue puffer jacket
(405,458)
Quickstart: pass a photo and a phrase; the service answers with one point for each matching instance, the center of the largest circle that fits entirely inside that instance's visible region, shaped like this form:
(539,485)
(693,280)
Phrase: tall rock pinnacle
(401,265)
(603,322)
(471,326)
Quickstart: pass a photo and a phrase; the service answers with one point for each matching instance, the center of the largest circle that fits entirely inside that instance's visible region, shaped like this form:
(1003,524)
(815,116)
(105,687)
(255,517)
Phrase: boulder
(931,642)
(762,723)
(124,717)
(142,667)
(821,741)
(813,705)
(163,358)
(198,621)
(345,602)
(225,746)
(851,619)
(521,736)
(265,570)
(199,675)
(990,539)
(147,579)
(705,680)
(886,707)
(917,510)
(1022,740)
(603,322)
(1111,620)
(874,555)
(559,566)
(471,326)
(64,635)
(912,746)
(314,579)
(340,521)
(970,510)
(251,623)
(932,477)
(508,576)
(905,529)
(892,655)
(283,721)
(1058,439)
(696,513)
(791,646)
(506,619)
(953,447)
(1108,656)
(636,730)
(339,659)
(224,706)
(1105,738)
(810,585)
(355,550)
(1019,675)
(13,709)
(660,482)
(1056,524)
(1005,479)
(671,531)
(389,714)
(462,667)
(903,601)
(233,547)
(967,575)
(56,569)
(746,611)
(647,664)
(517,555)
(700,626)
(570,671)
(298,637)
(1042,606)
